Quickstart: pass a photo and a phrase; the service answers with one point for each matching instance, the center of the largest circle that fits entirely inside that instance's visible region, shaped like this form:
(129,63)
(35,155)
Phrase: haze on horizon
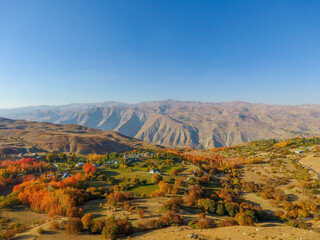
(61,52)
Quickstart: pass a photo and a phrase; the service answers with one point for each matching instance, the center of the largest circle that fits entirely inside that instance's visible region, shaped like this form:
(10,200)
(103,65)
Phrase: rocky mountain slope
(188,124)
(21,134)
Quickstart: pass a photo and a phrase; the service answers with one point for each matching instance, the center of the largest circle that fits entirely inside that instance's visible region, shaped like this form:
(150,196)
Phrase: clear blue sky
(59,52)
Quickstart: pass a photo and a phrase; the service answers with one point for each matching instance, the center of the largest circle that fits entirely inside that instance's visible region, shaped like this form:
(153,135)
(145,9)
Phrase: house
(80,164)
(154,171)
(298,151)
(65,175)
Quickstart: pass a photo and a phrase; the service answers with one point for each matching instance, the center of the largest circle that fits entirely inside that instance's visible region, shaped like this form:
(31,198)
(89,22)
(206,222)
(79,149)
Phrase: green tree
(51,157)
(111,229)
(62,156)
(220,208)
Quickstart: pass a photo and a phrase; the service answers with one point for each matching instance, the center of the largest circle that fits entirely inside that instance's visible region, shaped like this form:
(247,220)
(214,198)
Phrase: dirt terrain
(312,161)
(263,232)
(44,137)
(233,233)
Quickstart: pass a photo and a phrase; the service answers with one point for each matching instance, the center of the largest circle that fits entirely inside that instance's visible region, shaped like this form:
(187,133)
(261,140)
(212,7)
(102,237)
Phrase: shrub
(168,219)
(140,212)
(97,226)
(74,225)
(174,172)
(54,225)
(231,208)
(102,177)
(201,215)
(9,201)
(73,212)
(220,208)
(156,178)
(17,227)
(9,234)
(119,197)
(297,223)
(206,204)
(244,219)
(172,204)
(41,231)
(111,229)
(87,220)
(114,228)
(204,223)
(227,223)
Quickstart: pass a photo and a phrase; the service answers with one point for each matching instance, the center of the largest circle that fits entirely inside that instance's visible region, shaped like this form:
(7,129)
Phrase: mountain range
(173,123)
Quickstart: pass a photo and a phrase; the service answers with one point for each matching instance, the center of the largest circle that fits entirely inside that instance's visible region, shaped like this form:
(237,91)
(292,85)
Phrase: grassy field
(94,207)
(19,217)
(147,189)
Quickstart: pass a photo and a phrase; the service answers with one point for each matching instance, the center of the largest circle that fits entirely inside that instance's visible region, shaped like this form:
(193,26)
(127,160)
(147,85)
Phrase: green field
(148,188)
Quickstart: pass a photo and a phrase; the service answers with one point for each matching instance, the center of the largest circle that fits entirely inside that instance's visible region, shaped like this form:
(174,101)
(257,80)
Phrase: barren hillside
(64,138)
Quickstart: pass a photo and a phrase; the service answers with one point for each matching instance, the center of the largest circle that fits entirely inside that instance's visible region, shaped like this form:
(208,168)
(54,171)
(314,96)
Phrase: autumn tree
(89,168)
(87,220)
(245,218)
(156,178)
(174,172)
(74,225)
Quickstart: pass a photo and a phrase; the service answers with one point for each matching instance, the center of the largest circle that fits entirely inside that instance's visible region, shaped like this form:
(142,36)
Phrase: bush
(111,229)
(9,201)
(244,219)
(17,227)
(220,208)
(102,177)
(114,228)
(41,231)
(140,212)
(54,225)
(172,204)
(168,219)
(97,226)
(119,197)
(227,223)
(201,215)
(87,220)
(204,223)
(73,212)
(297,223)
(9,234)
(206,204)
(74,225)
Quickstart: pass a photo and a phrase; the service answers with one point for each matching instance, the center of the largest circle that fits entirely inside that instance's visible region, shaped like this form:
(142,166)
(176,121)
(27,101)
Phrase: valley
(257,189)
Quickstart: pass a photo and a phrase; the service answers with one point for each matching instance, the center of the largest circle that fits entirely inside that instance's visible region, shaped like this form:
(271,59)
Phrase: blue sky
(59,52)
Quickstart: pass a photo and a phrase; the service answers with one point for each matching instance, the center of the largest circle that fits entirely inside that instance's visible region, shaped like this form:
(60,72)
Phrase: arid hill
(186,124)
(64,138)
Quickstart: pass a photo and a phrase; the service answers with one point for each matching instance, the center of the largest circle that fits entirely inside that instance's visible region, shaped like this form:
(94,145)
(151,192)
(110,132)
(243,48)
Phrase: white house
(298,151)
(154,171)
